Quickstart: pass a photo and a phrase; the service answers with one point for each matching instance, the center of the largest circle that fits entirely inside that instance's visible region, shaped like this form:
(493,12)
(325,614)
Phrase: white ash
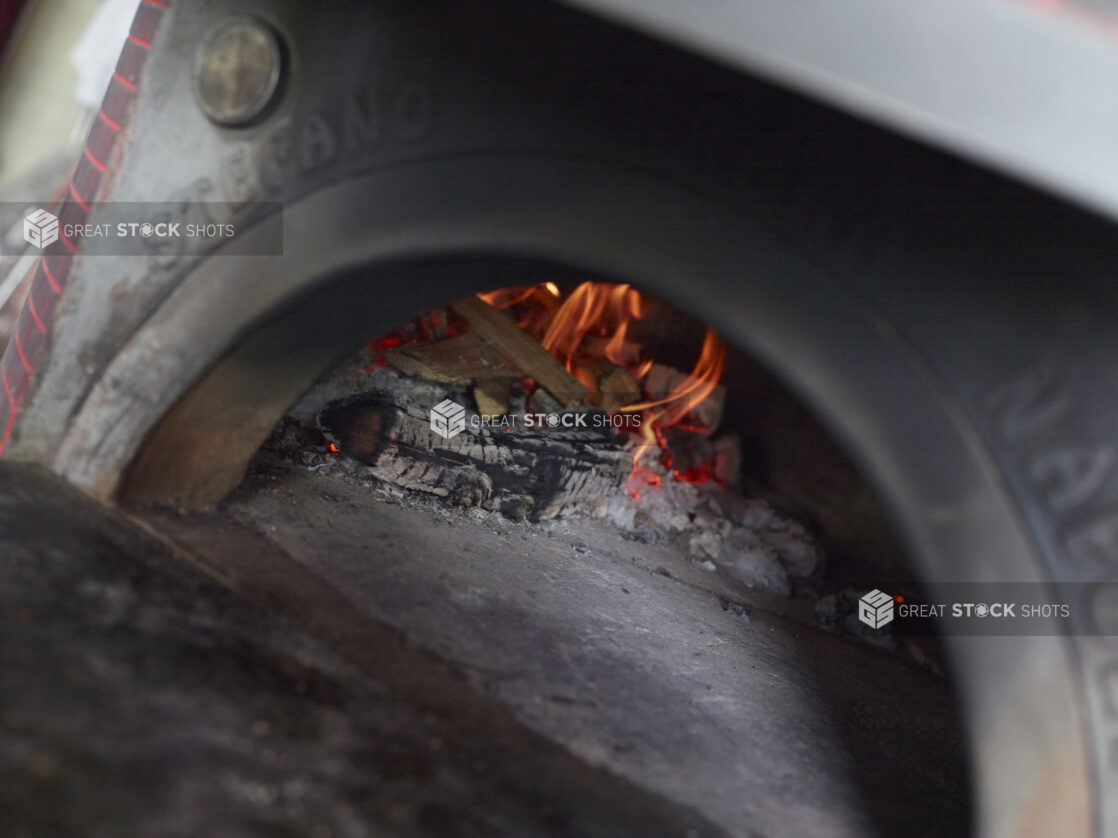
(745,538)
(719,529)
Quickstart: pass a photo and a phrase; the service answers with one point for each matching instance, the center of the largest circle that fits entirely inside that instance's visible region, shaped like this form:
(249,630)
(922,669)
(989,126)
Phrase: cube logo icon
(875,609)
(40,229)
(448,419)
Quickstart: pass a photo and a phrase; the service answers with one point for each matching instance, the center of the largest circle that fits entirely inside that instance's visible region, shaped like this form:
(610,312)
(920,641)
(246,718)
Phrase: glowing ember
(641,479)
(435,325)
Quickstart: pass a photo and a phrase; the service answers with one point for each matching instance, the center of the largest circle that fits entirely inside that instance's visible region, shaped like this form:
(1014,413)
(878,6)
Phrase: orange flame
(592,324)
(664,413)
(506,297)
(593,309)
(694,389)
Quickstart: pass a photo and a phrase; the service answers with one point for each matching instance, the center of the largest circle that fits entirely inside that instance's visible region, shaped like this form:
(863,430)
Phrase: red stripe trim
(8,429)
(78,198)
(112,123)
(50,278)
(73,248)
(116,127)
(34,313)
(124,81)
(7,389)
(22,357)
(97,163)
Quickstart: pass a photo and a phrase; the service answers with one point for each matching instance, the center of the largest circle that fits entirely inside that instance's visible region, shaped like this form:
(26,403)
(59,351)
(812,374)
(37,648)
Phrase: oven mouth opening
(543,402)
(645,546)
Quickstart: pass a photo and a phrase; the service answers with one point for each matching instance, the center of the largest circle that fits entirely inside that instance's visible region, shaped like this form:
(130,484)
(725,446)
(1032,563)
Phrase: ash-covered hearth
(548,490)
(539,405)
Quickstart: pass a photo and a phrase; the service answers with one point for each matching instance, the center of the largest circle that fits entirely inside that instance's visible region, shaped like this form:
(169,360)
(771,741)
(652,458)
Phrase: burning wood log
(614,388)
(462,359)
(525,473)
(493,396)
(506,337)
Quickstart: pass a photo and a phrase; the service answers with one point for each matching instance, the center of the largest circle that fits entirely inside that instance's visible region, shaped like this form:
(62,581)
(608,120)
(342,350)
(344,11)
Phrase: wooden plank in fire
(462,359)
(499,330)
(616,388)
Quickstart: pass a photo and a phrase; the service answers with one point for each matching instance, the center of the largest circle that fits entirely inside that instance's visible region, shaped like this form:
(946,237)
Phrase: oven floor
(141,697)
(375,667)
(639,661)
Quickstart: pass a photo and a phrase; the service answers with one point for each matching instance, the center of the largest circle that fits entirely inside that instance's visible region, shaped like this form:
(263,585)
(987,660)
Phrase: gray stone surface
(140,698)
(639,660)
